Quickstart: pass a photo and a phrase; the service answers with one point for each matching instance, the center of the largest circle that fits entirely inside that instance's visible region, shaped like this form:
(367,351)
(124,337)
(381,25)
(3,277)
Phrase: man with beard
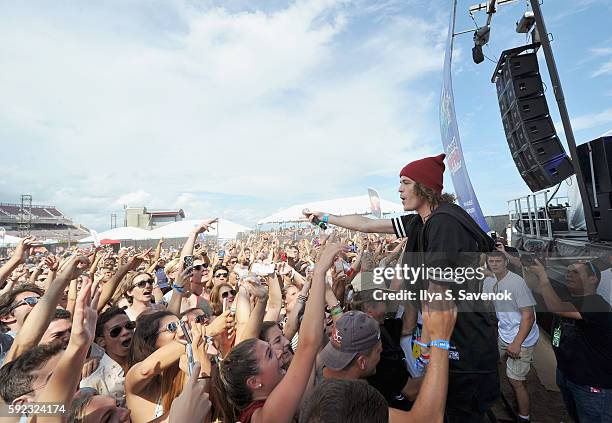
(114,332)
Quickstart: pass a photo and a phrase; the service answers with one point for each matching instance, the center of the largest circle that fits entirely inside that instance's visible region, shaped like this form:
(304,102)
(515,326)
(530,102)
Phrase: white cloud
(135,198)
(120,105)
(592,120)
(603,69)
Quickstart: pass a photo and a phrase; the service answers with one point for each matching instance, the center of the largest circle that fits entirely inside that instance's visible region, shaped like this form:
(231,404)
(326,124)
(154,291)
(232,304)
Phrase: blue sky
(240,108)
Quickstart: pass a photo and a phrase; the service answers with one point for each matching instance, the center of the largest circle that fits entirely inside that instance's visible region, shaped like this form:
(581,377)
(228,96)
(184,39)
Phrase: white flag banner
(96,239)
(374,203)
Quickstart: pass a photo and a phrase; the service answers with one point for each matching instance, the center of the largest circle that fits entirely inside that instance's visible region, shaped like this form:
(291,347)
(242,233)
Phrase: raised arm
(355,222)
(109,287)
(41,315)
(283,401)
(439,317)
(253,326)
(20,255)
(275,302)
(554,304)
(140,374)
(96,260)
(158,250)
(64,381)
(176,299)
(53,263)
(188,247)
(292,324)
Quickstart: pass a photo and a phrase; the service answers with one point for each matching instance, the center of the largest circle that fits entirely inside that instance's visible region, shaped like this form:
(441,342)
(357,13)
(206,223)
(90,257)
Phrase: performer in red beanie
(442,235)
(428,172)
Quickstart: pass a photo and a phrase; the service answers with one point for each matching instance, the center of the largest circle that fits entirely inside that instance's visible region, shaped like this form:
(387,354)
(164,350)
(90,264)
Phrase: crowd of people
(284,326)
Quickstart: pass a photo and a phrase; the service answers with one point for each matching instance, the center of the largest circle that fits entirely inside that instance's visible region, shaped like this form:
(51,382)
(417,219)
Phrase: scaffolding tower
(25,215)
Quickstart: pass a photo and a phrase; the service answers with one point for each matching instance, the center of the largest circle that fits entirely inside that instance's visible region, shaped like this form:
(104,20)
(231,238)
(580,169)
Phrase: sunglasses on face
(143,283)
(171,327)
(116,331)
(203,319)
(225,294)
(200,266)
(31,301)
(221,275)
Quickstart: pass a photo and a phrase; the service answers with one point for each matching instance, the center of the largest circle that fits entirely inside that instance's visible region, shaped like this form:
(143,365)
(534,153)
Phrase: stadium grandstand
(43,222)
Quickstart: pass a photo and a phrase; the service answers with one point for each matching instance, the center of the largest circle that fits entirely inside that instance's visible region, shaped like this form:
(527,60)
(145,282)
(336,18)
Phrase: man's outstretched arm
(355,222)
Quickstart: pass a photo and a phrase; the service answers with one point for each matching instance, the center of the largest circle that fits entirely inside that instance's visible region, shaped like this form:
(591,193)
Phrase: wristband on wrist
(440,343)
(336,311)
(422,344)
(325,218)
(178,289)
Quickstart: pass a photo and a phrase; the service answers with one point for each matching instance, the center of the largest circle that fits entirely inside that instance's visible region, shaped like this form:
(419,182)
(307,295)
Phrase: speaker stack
(596,166)
(537,151)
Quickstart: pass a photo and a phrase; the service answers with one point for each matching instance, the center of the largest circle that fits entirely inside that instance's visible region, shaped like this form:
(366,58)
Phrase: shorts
(517,368)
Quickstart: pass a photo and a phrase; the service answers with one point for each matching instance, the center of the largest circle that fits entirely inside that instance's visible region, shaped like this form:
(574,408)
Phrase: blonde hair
(171,266)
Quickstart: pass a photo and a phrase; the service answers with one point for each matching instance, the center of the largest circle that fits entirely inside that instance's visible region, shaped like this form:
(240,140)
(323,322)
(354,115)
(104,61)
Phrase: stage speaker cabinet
(596,166)
(536,150)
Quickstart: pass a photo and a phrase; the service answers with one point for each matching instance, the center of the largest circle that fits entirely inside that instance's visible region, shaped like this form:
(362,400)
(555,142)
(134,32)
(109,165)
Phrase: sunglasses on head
(221,275)
(200,266)
(116,331)
(31,301)
(143,283)
(170,327)
(227,293)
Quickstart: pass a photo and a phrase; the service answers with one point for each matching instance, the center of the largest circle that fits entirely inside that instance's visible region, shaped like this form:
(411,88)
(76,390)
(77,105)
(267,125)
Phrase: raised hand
(205,226)
(52,263)
(224,322)
(328,255)
(255,288)
(85,315)
(193,404)
(23,249)
(138,259)
(182,280)
(75,267)
(312,214)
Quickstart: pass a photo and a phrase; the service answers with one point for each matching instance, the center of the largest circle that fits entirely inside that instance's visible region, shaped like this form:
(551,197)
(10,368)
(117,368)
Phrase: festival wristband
(325,218)
(179,289)
(440,343)
(336,311)
(422,344)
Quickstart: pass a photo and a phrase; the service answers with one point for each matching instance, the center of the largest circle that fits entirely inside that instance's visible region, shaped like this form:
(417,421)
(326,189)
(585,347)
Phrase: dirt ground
(546,406)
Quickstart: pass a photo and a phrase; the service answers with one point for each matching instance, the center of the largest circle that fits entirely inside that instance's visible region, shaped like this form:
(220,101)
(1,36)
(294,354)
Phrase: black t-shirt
(584,354)
(474,339)
(391,372)
(300,266)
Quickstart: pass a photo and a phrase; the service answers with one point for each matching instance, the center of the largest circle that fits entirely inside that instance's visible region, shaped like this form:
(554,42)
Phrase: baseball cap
(355,332)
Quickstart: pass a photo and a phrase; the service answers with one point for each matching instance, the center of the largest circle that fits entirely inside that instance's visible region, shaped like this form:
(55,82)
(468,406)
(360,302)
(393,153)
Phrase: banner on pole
(466,197)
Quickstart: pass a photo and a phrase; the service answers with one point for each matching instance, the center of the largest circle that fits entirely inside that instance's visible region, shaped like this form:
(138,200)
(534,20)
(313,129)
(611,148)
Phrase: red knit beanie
(427,172)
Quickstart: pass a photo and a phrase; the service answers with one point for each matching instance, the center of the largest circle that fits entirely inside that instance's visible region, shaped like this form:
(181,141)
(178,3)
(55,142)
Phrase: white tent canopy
(9,241)
(120,234)
(224,229)
(339,206)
